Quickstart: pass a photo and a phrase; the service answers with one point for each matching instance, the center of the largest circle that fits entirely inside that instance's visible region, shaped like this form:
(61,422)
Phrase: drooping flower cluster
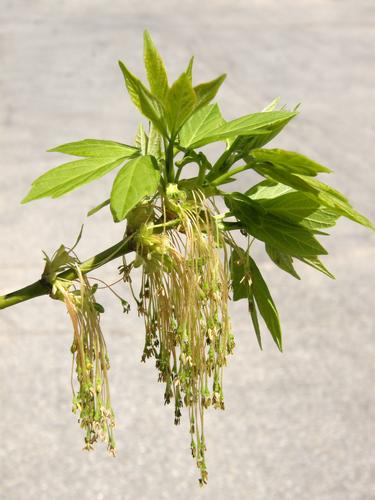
(92,399)
(184,302)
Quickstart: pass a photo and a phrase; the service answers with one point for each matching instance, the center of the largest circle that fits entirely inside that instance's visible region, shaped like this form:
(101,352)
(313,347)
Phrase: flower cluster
(92,399)
(184,302)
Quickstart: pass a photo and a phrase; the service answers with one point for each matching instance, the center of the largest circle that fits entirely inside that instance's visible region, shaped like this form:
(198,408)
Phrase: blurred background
(297,425)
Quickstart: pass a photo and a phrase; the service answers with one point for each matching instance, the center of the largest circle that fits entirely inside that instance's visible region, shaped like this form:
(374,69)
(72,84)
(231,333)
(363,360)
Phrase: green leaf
(265,303)
(97,148)
(317,264)
(70,176)
(189,69)
(295,206)
(205,92)
(154,147)
(247,282)
(143,99)
(322,193)
(180,103)
(156,72)
(137,179)
(257,123)
(254,316)
(289,160)
(240,275)
(241,285)
(141,139)
(99,308)
(282,260)
(200,124)
(98,207)
(290,238)
(242,145)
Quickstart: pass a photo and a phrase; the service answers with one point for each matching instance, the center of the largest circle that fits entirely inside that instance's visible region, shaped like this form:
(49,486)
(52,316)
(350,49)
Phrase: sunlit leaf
(137,179)
(70,176)
(156,72)
(143,99)
(200,124)
(97,148)
(292,239)
(180,103)
(257,123)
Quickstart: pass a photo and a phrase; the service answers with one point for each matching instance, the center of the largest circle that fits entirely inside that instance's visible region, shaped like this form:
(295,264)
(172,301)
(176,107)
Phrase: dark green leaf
(282,260)
(241,285)
(265,303)
(156,72)
(99,308)
(295,206)
(240,274)
(65,178)
(290,238)
(254,316)
(322,193)
(137,179)
(97,148)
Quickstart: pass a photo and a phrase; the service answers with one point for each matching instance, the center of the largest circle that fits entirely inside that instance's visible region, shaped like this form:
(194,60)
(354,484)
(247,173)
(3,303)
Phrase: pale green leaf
(180,102)
(143,99)
(272,105)
(205,92)
(141,139)
(200,124)
(156,72)
(257,123)
(97,148)
(289,160)
(154,147)
(189,70)
(70,176)
(137,179)
(98,207)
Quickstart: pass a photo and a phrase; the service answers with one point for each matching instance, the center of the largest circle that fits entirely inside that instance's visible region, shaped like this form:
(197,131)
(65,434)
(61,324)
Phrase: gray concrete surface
(298,426)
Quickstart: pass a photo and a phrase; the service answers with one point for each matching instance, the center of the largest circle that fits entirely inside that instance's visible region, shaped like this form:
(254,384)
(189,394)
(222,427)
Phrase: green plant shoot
(188,250)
